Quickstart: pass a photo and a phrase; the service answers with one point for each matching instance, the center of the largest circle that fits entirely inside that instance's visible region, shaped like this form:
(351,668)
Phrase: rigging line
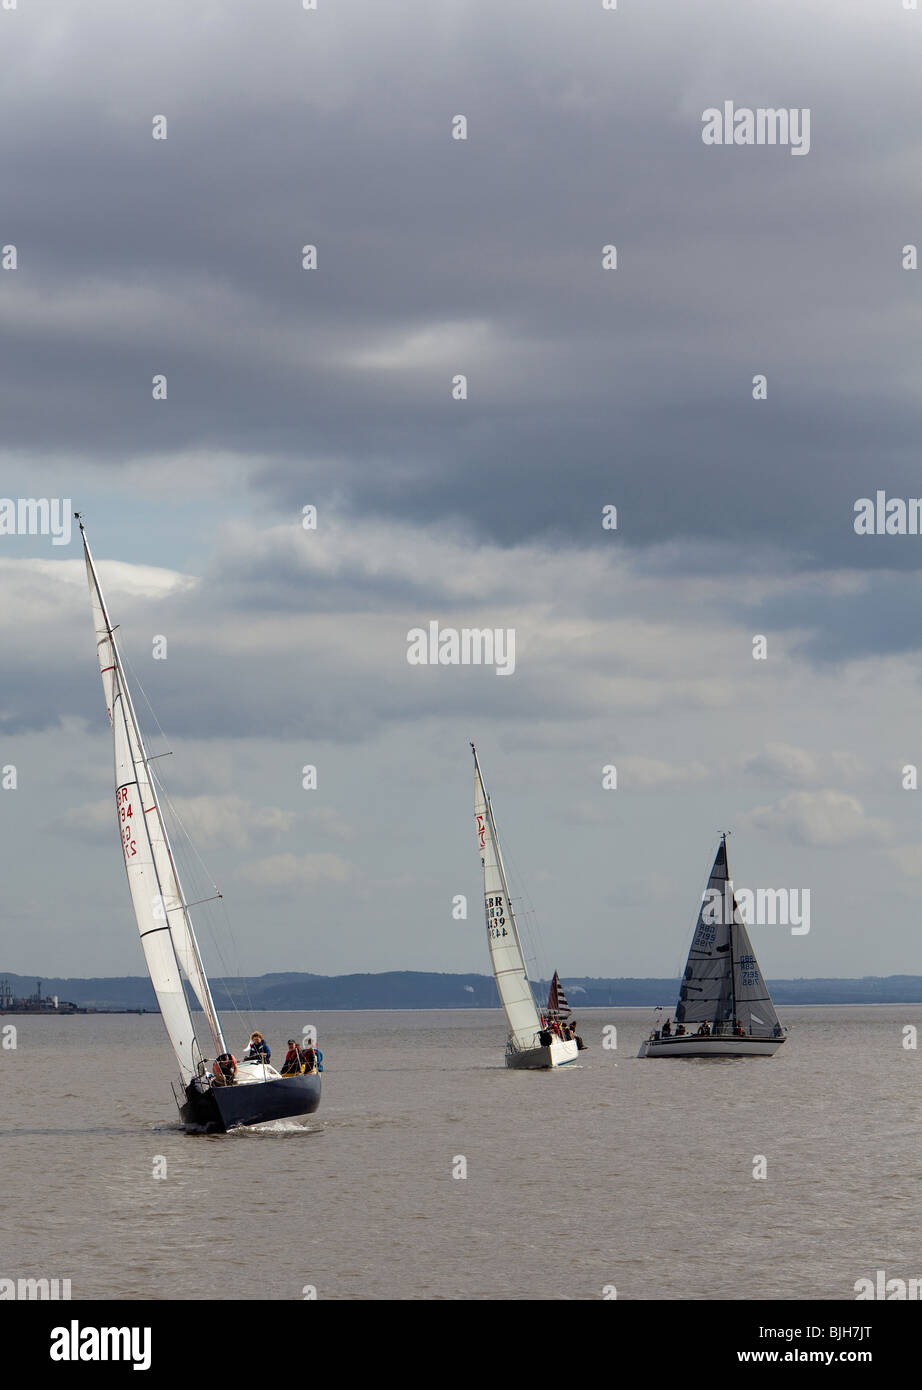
(531,911)
(534,935)
(189,845)
(248,1013)
(136,681)
(206,919)
(228,959)
(179,821)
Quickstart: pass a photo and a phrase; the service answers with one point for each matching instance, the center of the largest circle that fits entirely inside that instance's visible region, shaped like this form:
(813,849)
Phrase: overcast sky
(586,387)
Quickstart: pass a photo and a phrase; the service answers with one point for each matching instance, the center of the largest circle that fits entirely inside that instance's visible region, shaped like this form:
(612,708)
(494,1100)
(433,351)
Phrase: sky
(632,387)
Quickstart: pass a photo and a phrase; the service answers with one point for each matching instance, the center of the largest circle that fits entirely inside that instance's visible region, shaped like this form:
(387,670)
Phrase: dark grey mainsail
(723,985)
(706,995)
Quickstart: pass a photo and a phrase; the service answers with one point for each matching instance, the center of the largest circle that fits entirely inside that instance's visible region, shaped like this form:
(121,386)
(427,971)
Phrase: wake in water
(287,1126)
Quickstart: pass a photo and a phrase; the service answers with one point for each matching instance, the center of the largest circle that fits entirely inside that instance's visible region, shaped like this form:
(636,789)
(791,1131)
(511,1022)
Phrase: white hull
(543,1058)
(719,1045)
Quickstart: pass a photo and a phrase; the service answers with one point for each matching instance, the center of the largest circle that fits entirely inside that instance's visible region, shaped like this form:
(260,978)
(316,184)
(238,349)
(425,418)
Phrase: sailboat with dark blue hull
(214,1109)
(212,1095)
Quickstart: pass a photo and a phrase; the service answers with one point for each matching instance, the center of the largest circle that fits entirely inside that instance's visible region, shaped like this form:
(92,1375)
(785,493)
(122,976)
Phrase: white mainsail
(163,921)
(502,933)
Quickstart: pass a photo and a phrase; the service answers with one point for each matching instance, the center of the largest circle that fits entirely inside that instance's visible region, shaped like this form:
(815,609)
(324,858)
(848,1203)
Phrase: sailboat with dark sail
(724,1007)
(558,1010)
(531,1044)
(212,1099)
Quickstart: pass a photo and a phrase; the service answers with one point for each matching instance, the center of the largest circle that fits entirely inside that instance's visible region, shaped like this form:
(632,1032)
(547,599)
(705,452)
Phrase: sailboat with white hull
(530,1045)
(724,1007)
(258,1093)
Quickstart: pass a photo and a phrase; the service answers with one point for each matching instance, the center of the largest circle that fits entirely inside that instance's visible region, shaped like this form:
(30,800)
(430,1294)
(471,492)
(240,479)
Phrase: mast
(185,950)
(723,841)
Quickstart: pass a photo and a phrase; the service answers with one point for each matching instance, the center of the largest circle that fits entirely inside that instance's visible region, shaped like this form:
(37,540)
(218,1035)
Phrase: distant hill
(411,989)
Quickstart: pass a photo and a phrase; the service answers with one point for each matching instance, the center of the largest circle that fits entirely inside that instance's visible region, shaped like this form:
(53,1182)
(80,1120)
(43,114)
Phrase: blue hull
(221,1108)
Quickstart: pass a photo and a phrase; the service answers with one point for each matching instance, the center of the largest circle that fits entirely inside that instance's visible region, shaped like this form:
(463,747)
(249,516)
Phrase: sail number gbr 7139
(496,917)
(126,819)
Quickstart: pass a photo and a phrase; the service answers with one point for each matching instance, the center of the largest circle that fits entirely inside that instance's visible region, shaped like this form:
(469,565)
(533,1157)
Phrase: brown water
(637,1174)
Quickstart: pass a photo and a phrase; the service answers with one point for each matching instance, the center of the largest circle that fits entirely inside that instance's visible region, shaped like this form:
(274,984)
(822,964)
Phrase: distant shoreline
(399,991)
(455,1009)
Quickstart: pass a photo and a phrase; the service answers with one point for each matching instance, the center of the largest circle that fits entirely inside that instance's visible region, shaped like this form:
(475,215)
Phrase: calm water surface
(617,1171)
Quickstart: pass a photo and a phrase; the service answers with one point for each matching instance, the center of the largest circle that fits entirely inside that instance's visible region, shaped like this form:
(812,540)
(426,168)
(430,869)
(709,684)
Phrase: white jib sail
(502,934)
(156,894)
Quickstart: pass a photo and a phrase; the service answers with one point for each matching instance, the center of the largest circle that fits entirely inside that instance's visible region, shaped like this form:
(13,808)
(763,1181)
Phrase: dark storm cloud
(880,621)
(482,257)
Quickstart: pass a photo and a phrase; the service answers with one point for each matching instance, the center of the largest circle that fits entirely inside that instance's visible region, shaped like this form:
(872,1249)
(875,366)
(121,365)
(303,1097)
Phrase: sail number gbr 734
(125,820)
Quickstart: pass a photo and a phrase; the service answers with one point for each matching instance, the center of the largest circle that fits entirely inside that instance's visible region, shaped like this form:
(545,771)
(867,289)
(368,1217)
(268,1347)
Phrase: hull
(216,1109)
(559,1054)
(691,1045)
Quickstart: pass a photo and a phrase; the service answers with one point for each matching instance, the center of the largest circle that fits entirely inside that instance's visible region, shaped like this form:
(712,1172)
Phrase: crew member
(257,1049)
(225,1070)
(294,1060)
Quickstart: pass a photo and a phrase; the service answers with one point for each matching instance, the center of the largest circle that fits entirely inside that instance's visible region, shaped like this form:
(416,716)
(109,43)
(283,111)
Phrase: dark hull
(709,1045)
(228,1107)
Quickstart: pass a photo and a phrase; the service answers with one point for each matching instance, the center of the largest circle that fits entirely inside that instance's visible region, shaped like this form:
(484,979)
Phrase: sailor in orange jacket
(225,1070)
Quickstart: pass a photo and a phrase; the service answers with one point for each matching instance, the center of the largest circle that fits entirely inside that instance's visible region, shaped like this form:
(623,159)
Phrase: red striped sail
(557,1006)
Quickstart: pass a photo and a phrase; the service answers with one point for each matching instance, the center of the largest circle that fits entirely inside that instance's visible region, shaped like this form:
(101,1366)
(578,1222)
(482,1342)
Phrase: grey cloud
(183,257)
